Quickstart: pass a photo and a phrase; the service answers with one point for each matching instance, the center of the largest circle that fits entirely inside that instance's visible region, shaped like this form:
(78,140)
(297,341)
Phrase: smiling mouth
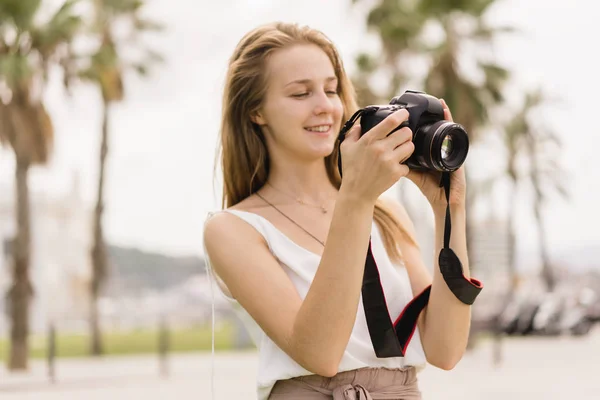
(321,129)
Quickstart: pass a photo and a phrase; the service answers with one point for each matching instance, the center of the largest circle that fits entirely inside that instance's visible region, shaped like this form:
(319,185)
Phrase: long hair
(243,150)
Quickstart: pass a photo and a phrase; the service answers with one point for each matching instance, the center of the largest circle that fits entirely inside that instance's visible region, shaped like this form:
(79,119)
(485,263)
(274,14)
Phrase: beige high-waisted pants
(359,384)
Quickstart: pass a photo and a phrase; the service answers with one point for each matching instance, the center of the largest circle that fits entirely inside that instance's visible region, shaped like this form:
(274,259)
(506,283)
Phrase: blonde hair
(243,151)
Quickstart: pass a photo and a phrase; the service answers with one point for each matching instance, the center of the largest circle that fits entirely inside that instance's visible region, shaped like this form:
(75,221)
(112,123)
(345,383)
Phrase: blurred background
(109,120)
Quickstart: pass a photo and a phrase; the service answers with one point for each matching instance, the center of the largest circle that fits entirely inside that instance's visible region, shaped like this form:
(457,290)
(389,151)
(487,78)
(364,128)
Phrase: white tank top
(301,265)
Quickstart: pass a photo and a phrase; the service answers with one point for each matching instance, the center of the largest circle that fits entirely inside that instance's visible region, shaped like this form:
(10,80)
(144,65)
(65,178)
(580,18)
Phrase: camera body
(440,145)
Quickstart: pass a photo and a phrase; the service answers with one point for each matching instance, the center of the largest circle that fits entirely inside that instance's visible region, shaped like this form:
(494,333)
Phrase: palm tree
(398,25)
(524,140)
(542,146)
(27,50)
(106,69)
(514,135)
(539,146)
(401,26)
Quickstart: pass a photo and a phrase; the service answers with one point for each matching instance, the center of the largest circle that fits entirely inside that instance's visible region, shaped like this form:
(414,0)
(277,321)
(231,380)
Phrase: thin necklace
(294,222)
(299,200)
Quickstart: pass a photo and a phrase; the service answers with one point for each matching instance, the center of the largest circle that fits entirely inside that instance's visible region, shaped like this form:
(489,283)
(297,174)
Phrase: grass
(131,342)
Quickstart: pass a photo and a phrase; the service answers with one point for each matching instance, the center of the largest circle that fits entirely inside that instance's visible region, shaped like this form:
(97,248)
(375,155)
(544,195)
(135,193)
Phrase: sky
(163,136)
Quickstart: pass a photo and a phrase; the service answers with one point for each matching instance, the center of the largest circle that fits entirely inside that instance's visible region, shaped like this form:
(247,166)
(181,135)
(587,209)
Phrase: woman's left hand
(429,182)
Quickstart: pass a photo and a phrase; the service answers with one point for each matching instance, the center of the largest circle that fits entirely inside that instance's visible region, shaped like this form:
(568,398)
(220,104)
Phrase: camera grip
(369,120)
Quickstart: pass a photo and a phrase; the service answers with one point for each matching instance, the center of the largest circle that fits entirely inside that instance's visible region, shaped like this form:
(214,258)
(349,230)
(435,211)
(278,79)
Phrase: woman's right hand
(372,163)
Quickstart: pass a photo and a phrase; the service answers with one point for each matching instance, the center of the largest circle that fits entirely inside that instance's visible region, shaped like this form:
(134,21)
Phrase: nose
(323,104)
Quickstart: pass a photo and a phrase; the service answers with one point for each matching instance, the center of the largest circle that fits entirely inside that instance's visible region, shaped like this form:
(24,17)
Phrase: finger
(447,113)
(389,123)
(398,137)
(404,151)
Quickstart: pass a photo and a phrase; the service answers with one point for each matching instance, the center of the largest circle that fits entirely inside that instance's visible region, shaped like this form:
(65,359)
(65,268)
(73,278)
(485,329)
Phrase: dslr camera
(440,145)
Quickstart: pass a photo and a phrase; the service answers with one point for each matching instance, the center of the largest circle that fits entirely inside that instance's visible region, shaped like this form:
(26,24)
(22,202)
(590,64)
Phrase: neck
(305,181)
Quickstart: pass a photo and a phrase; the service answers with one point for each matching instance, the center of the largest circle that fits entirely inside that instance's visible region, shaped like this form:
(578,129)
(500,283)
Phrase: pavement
(532,368)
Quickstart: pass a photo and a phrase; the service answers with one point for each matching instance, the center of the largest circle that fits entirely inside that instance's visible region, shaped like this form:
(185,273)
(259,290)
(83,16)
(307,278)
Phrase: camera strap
(391,339)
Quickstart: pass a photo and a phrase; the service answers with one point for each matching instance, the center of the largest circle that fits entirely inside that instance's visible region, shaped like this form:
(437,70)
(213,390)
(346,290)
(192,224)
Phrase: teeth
(322,128)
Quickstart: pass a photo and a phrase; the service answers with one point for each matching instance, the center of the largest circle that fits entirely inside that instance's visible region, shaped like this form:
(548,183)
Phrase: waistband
(358,384)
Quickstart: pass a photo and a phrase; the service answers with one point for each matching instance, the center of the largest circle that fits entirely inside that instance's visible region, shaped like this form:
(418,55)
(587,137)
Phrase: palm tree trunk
(98,254)
(512,237)
(21,292)
(547,273)
(512,267)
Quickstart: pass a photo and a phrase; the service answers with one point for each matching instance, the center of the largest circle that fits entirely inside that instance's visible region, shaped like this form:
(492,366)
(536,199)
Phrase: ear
(258,118)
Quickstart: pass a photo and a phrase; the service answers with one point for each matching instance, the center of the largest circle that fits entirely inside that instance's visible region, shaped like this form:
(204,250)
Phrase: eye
(332,92)
(300,95)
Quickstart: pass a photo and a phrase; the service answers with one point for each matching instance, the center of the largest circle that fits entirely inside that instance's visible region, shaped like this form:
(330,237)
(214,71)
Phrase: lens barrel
(441,146)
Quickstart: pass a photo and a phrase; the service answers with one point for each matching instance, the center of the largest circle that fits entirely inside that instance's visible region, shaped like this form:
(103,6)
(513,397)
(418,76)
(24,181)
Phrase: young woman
(289,248)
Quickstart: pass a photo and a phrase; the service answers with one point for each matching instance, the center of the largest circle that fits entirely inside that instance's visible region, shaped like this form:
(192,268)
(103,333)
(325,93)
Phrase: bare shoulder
(225,229)
(232,246)
(222,228)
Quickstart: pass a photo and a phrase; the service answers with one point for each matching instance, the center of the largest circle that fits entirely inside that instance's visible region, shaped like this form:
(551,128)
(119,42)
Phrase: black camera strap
(465,289)
(392,339)
(342,134)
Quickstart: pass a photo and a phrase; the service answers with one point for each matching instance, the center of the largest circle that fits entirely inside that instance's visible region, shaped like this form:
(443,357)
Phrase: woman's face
(302,113)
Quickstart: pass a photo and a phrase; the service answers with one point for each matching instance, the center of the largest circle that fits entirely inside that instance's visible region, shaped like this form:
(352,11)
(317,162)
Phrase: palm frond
(152,56)
(486,33)
(61,28)
(396,23)
(43,133)
(109,63)
(28,130)
(366,63)
(15,69)
(20,13)
(120,6)
(146,25)
(475,8)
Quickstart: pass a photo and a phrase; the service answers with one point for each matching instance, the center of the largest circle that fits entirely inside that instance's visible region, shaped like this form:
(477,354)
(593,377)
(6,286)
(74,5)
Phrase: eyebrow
(305,81)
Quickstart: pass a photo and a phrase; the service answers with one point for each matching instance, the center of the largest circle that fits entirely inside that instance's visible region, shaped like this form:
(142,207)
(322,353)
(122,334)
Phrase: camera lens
(449,147)
(441,146)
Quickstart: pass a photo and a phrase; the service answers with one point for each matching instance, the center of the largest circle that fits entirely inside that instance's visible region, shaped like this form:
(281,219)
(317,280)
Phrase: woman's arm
(326,318)
(444,323)
(448,320)
(314,332)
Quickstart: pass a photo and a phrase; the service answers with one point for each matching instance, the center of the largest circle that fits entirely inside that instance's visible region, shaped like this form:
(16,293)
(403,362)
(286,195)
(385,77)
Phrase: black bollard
(497,342)
(51,353)
(163,346)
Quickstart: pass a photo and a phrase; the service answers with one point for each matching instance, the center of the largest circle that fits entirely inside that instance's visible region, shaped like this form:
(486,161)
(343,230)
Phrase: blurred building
(489,262)
(60,265)
(490,247)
